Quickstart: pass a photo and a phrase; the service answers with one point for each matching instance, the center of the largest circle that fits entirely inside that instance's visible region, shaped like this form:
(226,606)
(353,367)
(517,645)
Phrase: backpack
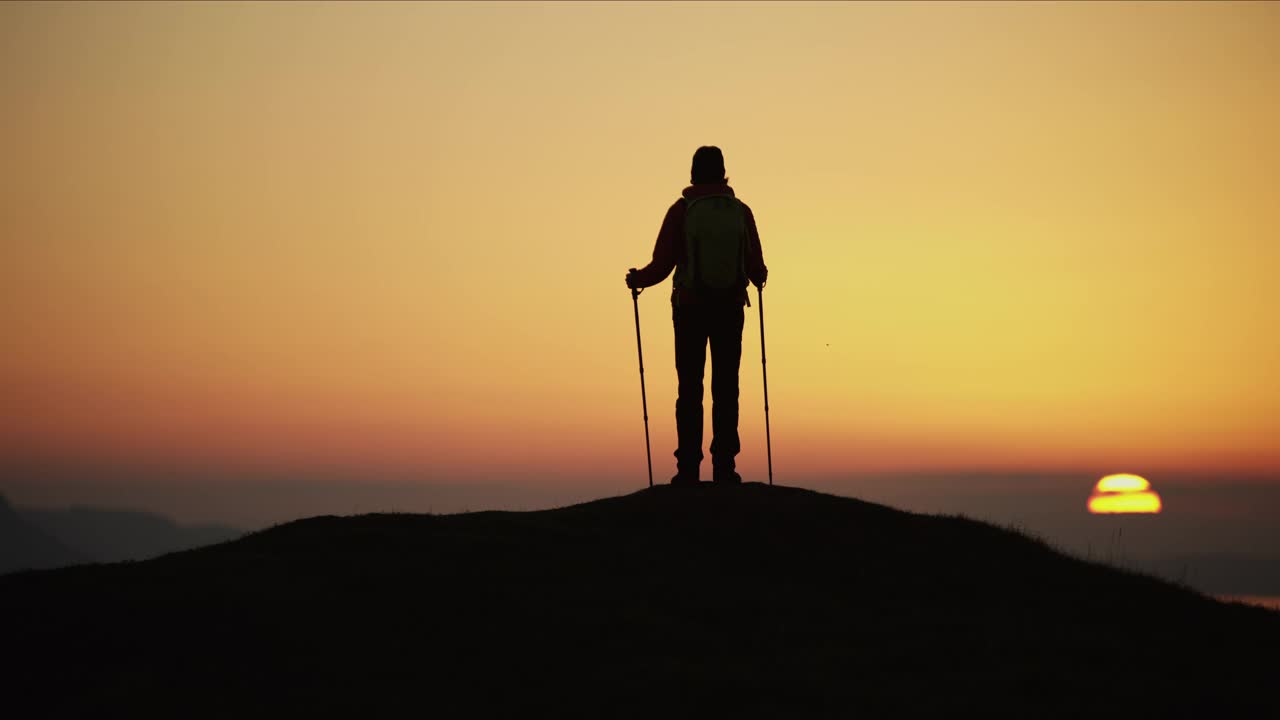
(715,232)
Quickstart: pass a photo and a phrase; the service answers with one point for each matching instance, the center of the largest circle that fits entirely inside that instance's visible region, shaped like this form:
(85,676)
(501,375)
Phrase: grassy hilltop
(751,600)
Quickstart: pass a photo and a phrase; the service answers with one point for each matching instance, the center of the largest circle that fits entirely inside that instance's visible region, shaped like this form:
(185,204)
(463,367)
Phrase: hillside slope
(757,600)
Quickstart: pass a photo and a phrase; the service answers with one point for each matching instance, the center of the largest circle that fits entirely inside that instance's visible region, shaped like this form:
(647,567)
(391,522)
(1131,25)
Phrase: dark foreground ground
(719,602)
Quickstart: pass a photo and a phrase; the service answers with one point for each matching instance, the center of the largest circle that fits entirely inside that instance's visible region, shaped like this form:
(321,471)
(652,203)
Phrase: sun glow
(1124,493)
(1123,483)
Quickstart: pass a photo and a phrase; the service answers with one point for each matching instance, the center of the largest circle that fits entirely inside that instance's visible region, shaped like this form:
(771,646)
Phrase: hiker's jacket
(670,248)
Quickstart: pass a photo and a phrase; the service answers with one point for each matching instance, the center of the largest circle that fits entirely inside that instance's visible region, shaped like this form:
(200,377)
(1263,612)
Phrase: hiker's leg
(726,356)
(691,356)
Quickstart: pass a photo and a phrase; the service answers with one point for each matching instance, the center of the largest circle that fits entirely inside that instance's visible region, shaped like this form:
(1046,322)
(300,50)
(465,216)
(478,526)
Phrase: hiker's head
(708,166)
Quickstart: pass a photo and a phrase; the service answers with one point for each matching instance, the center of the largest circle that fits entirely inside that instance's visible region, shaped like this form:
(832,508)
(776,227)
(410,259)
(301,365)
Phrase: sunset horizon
(390,237)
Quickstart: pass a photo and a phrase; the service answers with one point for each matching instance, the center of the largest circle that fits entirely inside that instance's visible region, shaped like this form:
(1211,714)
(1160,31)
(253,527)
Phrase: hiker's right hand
(631,278)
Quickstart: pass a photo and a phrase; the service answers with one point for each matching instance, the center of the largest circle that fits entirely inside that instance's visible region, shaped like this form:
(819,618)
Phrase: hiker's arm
(756,270)
(665,250)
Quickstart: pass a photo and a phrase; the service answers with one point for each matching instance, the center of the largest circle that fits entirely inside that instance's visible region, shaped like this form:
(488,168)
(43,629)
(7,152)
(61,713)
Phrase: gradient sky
(392,238)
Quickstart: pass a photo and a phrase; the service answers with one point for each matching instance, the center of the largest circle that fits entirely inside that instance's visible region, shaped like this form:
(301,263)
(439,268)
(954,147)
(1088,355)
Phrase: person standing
(709,238)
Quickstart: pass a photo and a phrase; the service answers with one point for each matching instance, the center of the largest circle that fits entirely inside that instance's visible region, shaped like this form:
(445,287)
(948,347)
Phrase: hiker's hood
(694,191)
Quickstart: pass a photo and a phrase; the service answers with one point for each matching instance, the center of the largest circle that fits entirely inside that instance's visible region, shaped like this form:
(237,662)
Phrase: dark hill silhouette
(717,601)
(25,547)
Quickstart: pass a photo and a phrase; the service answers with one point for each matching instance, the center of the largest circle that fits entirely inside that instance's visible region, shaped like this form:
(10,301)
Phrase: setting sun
(1124,493)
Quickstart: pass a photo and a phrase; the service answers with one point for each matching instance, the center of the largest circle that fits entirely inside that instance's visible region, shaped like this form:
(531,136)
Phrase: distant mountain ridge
(55,538)
(24,546)
(749,601)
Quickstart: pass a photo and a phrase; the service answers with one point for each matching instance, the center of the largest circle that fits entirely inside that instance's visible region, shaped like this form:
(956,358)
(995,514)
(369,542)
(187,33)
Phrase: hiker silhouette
(709,238)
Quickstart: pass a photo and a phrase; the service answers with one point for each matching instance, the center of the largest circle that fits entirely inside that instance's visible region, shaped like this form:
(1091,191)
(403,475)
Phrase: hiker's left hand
(631,278)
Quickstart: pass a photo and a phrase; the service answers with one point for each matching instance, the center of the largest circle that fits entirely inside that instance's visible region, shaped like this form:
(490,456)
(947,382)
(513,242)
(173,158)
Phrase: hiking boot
(684,479)
(727,477)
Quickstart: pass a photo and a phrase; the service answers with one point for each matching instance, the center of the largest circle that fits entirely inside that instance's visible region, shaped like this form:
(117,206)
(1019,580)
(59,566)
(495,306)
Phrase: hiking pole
(764,371)
(644,402)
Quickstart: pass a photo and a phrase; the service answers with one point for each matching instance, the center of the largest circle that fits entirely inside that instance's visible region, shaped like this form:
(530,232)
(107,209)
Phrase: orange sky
(999,236)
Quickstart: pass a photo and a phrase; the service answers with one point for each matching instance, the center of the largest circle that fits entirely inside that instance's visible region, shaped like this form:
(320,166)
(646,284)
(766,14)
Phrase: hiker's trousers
(697,325)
